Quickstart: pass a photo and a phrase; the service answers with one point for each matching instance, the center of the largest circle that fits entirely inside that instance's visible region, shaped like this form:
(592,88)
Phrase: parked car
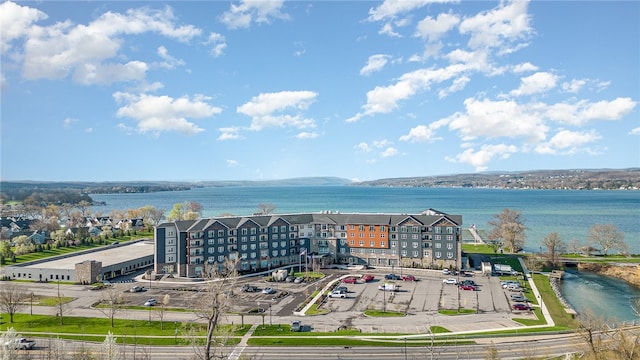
(296,326)
(298,280)
(342,289)
(446,272)
(519,298)
(388,287)
(22,344)
(150,302)
(268,290)
(136,289)
(368,277)
(468,282)
(350,280)
(289,279)
(514,288)
(450,281)
(248,288)
(408,278)
(392,277)
(506,283)
(467,287)
(337,294)
(520,307)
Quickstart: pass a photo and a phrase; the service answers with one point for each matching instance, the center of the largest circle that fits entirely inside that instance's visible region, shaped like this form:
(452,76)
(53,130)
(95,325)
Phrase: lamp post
(405,348)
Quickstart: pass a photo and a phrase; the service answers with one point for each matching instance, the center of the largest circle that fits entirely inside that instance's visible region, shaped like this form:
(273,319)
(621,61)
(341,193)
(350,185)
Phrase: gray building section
(88,266)
(430,239)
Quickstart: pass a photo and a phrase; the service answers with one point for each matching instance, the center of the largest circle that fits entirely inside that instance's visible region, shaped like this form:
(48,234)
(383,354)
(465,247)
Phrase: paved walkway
(237,352)
(536,293)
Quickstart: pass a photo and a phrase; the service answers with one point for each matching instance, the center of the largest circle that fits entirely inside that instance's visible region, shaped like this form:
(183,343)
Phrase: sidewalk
(536,293)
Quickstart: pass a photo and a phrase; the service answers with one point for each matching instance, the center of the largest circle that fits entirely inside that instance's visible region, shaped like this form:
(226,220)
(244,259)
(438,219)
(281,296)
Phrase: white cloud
(169,61)
(479,159)
(381,143)
(635,131)
(15,21)
(69,121)
(583,111)
(246,12)
(393,8)
(432,29)
(493,119)
(229,133)
(384,99)
(524,67)
(307,135)
(500,28)
(232,163)
(536,83)
(387,29)
(457,85)
(567,142)
(574,85)
(218,44)
(375,63)
(264,109)
(91,53)
(163,113)
(364,147)
(422,133)
(388,152)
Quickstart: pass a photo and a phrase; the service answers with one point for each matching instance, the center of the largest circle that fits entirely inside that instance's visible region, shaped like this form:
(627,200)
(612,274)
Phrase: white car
(450,281)
(268,290)
(150,302)
(338,294)
(446,272)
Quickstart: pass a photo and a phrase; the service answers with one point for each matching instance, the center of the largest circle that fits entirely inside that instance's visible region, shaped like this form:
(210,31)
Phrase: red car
(408,278)
(367,277)
(468,287)
(521,307)
(350,280)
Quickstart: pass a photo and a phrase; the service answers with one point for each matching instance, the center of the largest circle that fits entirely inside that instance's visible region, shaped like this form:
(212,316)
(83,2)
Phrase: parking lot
(428,294)
(424,298)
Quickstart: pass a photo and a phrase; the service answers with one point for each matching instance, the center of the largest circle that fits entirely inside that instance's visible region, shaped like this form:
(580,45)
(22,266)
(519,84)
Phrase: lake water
(569,213)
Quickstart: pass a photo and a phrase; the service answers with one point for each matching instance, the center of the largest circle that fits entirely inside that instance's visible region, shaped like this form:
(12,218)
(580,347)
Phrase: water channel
(610,298)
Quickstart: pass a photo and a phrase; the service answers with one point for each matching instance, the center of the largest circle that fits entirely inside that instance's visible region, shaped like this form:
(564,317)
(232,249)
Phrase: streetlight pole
(405,348)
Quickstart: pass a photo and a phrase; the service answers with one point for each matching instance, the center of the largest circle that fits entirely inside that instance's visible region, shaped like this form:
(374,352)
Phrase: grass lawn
(556,309)
(95,329)
(380,313)
(457,312)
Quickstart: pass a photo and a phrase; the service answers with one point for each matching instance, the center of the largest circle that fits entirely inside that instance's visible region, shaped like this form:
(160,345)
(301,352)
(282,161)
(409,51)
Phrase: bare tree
(266,209)
(574,246)
(112,300)
(161,308)
(151,215)
(8,337)
(555,246)
(590,329)
(110,349)
(508,227)
(61,305)
(12,299)
(215,303)
(607,237)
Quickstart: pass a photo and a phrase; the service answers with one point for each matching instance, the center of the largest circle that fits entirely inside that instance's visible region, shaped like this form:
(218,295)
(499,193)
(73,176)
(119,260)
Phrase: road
(515,348)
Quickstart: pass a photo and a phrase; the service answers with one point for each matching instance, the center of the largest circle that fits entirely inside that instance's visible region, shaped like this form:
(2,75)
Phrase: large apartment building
(430,239)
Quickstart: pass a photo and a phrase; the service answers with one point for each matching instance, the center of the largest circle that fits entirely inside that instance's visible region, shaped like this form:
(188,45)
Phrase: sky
(363,90)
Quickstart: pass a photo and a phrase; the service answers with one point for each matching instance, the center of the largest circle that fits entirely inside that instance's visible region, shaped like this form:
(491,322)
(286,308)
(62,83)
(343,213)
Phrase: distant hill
(579,179)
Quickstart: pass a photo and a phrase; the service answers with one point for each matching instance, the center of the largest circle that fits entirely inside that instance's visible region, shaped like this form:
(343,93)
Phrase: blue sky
(117,91)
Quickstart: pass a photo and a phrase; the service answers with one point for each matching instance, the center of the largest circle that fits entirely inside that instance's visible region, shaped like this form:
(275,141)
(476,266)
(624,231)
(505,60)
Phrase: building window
(403,253)
(220,249)
(403,236)
(437,237)
(415,236)
(394,244)
(274,244)
(372,243)
(415,245)
(449,246)
(438,245)
(352,242)
(372,235)
(403,244)
(361,227)
(372,228)
(438,254)
(450,237)
(415,254)
(450,255)
(382,228)
(361,242)
(382,243)
(449,230)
